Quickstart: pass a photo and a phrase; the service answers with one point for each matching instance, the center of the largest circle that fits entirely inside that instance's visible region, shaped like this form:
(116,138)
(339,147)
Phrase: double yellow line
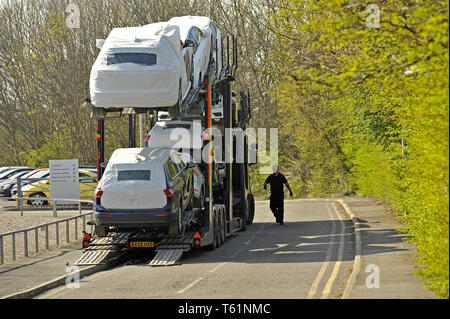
(317,280)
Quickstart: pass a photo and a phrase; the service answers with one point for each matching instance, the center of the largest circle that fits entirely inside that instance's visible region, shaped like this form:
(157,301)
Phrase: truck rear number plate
(142,244)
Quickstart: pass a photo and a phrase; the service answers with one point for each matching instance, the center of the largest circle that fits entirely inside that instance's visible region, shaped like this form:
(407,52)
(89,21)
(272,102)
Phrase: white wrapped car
(141,67)
(206,48)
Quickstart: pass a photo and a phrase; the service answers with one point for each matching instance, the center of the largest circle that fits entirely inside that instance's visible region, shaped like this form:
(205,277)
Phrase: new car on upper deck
(140,67)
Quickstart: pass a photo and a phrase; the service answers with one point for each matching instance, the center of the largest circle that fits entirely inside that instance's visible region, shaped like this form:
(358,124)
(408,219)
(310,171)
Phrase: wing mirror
(99,43)
(188,44)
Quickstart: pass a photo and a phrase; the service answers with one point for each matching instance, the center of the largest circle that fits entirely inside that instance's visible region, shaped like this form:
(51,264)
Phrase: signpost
(64,180)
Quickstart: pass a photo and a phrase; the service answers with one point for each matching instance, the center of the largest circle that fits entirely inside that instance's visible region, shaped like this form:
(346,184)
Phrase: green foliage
(55,147)
(349,95)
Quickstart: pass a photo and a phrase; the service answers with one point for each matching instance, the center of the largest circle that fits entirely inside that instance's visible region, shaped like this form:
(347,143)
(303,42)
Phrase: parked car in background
(7,185)
(36,192)
(143,188)
(10,173)
(7,168)
(41,173)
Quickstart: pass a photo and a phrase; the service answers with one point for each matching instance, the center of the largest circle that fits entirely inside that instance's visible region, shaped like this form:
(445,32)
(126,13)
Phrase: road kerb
(357,261)
(60,281)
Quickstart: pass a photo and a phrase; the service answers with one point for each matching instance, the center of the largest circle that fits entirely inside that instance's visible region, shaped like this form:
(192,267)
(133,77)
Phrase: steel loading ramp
(102,249)
(170,250)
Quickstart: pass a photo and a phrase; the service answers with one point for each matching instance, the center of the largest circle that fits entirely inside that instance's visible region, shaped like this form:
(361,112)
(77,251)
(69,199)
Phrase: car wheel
(176,109)
(191,76)
(37,200)
(177,228)
(200,82)
(200,202)
(191,198)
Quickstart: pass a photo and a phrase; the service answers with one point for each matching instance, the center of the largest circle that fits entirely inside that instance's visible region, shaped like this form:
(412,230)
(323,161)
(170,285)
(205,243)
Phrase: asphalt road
(308,257)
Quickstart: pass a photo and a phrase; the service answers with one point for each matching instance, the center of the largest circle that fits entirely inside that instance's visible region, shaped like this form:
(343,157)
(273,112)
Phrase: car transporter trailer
(229,206)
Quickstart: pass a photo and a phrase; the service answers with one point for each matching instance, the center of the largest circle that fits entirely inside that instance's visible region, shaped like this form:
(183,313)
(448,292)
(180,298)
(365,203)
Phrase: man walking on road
(276,181)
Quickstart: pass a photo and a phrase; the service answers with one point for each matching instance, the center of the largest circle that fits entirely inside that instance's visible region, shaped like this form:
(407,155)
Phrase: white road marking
(316,282)
(250,240)
(192,284)
(271,248)
(237,253)
(327,290)
(217,267)
(262,227)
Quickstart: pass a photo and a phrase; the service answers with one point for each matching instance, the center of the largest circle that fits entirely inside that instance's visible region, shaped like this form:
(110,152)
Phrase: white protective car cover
(137,85)
(134,194)
(176,135)
(186,22)
(204,24)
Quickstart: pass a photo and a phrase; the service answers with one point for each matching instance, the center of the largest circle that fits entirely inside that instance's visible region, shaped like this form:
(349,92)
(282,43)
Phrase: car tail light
(146,140)
(169,192)
(98,195)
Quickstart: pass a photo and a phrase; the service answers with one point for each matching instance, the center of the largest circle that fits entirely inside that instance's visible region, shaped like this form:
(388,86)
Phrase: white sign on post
(64,180)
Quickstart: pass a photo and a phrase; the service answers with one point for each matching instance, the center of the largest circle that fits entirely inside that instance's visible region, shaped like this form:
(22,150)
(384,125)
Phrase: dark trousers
(277,208)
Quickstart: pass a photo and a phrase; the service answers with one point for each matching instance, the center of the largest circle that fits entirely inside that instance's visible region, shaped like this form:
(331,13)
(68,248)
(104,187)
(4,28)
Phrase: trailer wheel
(222,224)
(218,228)
(251,209)
(214,244)
(243,217)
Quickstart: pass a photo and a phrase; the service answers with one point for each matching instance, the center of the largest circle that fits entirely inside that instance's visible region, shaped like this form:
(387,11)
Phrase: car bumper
(139,99)
(132,219)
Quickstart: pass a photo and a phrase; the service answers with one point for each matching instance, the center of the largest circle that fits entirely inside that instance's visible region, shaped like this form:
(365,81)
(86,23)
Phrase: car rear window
(175,125)
(137,58)
(134,175)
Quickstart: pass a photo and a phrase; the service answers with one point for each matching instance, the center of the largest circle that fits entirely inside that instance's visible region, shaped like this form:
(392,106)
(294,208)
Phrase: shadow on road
(297,242)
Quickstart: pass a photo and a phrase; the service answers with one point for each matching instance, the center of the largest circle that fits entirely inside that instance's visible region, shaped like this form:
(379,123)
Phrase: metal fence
(48,235)
(24,195)
(39,241)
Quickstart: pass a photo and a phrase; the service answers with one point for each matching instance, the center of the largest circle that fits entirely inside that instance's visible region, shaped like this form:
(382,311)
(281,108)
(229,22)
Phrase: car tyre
(251,209)
(176,110)
(200,202)
(176,228)
(36,200)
